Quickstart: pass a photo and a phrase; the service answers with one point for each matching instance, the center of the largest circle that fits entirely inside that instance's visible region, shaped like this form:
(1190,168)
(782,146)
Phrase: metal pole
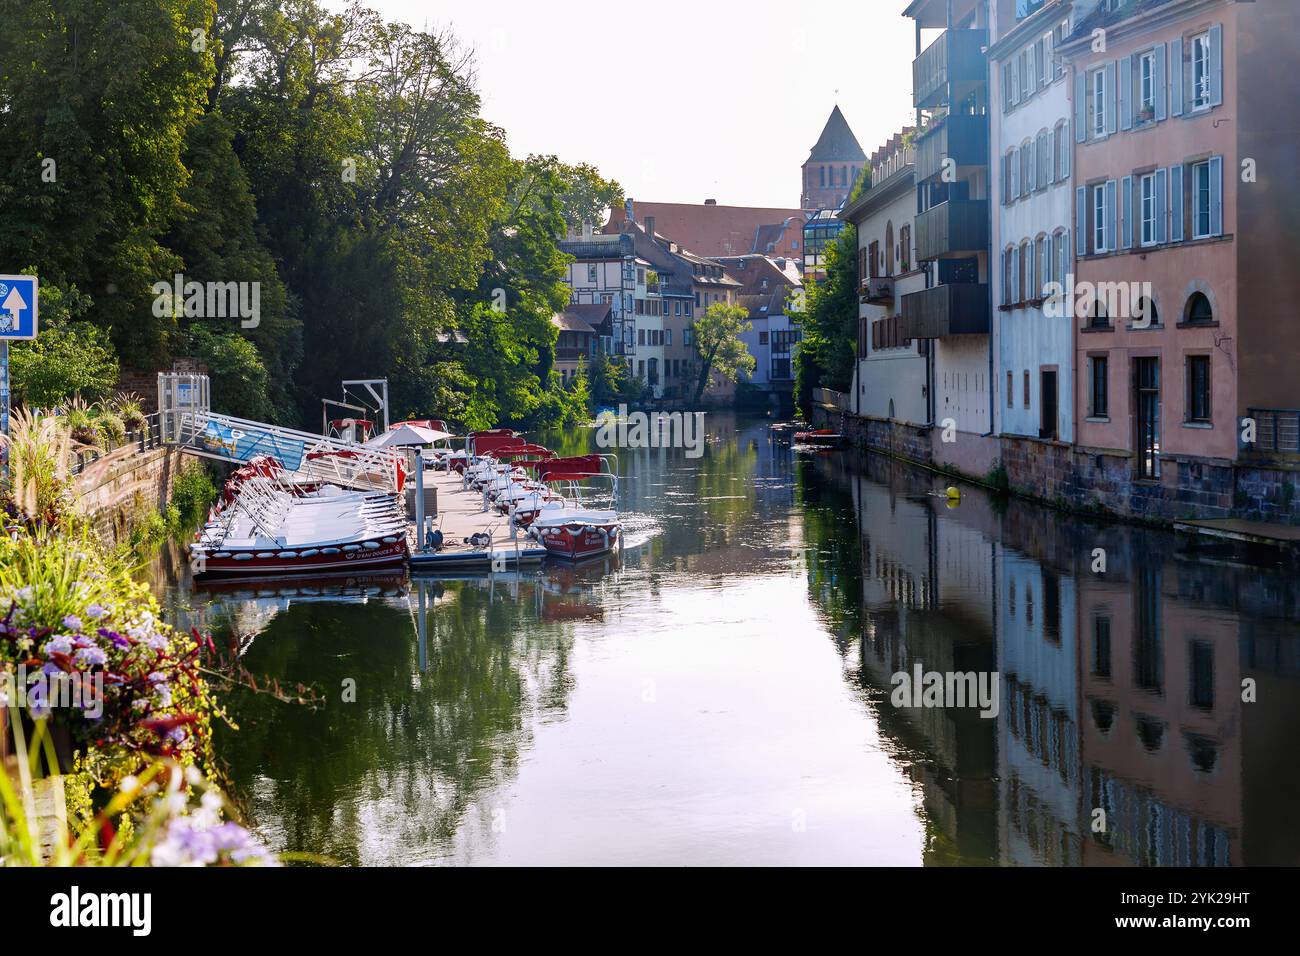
(419,501)
(4,406)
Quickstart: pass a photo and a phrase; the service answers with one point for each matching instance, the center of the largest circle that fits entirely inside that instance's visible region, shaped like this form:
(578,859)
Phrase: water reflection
(719,692)
(1123,737)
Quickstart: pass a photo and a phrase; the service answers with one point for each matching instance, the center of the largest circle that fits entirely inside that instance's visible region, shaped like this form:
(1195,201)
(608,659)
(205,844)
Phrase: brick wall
(118,488)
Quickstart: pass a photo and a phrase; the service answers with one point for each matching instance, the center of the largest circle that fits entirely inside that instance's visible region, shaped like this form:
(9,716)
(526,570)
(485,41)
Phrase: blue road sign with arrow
(18,307)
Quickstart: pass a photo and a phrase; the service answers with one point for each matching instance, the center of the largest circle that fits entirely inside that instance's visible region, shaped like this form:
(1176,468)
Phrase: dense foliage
(337,162)
(830,323)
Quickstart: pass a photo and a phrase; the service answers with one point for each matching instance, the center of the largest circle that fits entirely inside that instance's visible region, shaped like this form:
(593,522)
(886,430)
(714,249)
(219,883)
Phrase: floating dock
(461,515)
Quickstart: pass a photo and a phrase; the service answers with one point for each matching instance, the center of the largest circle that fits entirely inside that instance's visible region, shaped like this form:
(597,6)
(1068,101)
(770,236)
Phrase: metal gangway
(186,420)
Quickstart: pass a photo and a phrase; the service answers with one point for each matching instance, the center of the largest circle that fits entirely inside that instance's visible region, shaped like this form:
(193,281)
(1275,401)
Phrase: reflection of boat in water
(318,586)
(575,576)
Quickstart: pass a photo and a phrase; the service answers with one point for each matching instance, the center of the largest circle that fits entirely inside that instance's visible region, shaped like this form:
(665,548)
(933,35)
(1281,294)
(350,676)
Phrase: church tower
(832,167)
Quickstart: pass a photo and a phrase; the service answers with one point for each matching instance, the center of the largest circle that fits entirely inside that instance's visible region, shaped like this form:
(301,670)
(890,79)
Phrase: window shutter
(1002,180)
(1081,217)
(1080,107)
(1015,81)
(1112,114)
(1176,77)
(1126,227)
(1216,67)
(1015,173)
(1216,195)
(1112,211)
(1162,205)
(1053,164)
(1030,164)
(1176,203)
(1031,61)
(1044,159)
(1126,93)
(1067,151)
(1158,81)
(1015,275)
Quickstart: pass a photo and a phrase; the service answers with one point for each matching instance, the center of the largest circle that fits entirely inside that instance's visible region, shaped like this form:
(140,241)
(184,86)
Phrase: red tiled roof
(710,230)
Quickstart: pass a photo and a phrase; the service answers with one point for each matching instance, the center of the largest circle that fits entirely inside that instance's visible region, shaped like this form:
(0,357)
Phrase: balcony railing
(962,136)
(1276,430)
(955,227)
(957,309)
(877,289)
(957,56)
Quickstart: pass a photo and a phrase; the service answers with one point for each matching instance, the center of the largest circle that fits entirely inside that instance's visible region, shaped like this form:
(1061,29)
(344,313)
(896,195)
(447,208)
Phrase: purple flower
(115,638)
(72,622)
(95,612)
(57,645)
(91,657)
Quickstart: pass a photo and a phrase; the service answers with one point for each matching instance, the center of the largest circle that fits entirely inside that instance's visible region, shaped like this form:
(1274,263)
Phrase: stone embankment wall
(125,484)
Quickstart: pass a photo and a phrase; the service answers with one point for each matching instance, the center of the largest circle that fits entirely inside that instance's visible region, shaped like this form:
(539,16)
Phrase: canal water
(721,692)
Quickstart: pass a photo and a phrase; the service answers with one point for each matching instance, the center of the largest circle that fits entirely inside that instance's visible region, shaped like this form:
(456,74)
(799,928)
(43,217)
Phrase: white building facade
(1031,144)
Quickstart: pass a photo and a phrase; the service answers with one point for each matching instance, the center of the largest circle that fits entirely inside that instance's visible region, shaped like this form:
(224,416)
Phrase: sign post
(18,322)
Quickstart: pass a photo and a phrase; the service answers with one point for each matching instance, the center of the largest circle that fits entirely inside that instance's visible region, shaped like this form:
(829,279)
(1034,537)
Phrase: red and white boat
(576,530)
(268,530)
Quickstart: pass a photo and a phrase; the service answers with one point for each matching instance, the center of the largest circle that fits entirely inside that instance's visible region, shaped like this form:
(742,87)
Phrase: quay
(460,514)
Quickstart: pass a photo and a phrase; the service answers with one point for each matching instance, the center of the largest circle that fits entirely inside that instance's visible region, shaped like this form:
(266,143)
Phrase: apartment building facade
(951,96)
(1031,138)
(890,373)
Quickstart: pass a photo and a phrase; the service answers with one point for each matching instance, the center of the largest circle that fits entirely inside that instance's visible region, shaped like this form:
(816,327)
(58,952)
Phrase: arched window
(1098,318)
(1199,309)
(1145,313)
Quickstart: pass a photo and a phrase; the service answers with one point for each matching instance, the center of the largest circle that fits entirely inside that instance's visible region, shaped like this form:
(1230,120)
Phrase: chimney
(587,231)
(710,202)
(627,208)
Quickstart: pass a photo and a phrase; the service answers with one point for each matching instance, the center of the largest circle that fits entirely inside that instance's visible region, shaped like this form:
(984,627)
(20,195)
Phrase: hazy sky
(682,101)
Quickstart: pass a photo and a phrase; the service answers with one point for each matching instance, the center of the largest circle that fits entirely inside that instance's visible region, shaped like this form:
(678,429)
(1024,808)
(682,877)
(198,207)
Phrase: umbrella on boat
(408,434)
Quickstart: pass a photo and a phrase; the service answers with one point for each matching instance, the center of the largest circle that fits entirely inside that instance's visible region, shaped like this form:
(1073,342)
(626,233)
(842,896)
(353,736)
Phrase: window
(1099,218)
(668,336)
(1201,220)
(1008,87)
(1063,258)
(1026,269)
(1040,58)
(905,248)
(1146,105)
(687,335)
(1023,65)
(591,273)
(1147,315)
(1026,388)
(1043,266)
(874,256)
(1099,103)
(1026,168)
(1198,388)
(1200,72)
(1199,309)
(762,338)
(1098,391)
(1148,214)
(1008,279)
(1098,317)
(1101,647)
(640,336)
(1201,674)
(1011,395)
(1063,147)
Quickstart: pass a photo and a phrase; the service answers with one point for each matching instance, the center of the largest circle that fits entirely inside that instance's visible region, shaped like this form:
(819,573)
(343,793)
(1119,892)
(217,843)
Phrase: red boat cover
(437,424)
(565,469)
(487,442)
(516,451)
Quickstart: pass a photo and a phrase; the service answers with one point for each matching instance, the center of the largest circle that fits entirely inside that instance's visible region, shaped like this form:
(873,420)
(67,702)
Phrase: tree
(71,356)
(718,344)
(830,322)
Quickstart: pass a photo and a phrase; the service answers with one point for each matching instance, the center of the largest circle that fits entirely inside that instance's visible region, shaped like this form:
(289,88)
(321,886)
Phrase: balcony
(962,136)
(959,309)
(953,228)
(956,57)
(878,289)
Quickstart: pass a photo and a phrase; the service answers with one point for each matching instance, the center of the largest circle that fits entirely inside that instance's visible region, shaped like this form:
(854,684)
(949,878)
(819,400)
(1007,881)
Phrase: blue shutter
(1176,77)
(1216,195)
(1126,226)
(1081,217)
(1159,82)
(1126,93)
(1216,66)
(1176,203)
(1015,172)
(1080,107)
(1112,114)
(1112,211)
(1162,206)
(1069,151)
(1015,275)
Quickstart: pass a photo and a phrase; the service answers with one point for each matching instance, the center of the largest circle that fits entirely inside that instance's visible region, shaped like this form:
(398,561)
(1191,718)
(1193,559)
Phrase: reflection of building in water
(1161,744)
(1038,756)
(927,587)
(1121,690)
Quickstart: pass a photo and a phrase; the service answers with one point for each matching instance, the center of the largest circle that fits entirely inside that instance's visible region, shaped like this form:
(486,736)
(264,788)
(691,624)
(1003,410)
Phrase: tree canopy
(339,162)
